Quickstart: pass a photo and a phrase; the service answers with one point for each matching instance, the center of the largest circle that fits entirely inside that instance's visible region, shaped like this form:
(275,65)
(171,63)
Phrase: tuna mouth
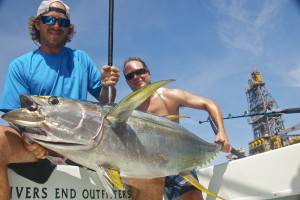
(57,143)
(54,153)
(36,131)
(31,130)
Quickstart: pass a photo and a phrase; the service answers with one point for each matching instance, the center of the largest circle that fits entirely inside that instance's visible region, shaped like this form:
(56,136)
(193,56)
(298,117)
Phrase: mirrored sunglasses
(49,20)
(130,75)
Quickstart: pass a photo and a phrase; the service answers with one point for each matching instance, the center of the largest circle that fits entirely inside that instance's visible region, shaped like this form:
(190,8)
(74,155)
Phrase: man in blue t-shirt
(51,70)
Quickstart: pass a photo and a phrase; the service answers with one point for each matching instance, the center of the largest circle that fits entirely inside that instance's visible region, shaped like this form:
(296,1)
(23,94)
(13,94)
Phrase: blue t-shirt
(70,73)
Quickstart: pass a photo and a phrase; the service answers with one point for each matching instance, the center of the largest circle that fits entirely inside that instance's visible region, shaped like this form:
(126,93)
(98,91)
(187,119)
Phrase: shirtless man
(163,102)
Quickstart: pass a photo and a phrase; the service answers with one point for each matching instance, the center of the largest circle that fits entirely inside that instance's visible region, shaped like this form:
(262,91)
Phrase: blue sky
(209,46)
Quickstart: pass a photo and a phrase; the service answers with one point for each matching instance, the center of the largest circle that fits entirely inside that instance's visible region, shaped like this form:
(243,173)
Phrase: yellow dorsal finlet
(192,180)
(172,117)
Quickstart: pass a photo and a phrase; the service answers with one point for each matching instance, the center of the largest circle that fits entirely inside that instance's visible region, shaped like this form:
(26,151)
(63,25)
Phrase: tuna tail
(191,179)
(122,111)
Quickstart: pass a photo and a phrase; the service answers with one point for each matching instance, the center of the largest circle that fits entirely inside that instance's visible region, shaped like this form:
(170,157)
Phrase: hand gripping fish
(114,140)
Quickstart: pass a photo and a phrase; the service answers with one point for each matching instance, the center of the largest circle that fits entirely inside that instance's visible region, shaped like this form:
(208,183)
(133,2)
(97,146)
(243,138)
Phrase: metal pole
(110,32)
(215,129)
(281,111)
(110,43)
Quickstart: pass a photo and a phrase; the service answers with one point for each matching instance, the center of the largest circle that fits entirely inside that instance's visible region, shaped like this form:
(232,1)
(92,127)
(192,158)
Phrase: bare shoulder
(183,98)
(171,94)
(168,91)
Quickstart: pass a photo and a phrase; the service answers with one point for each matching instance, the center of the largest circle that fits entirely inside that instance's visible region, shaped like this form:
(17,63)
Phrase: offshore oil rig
(265,117)
(268,128)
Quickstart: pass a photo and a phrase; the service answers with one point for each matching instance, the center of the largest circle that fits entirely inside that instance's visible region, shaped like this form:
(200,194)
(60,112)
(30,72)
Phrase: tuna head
(59,122)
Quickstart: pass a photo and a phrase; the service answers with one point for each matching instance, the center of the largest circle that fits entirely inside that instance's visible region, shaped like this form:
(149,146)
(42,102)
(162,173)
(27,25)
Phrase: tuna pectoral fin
(191,179)
(109,178)
(122,111)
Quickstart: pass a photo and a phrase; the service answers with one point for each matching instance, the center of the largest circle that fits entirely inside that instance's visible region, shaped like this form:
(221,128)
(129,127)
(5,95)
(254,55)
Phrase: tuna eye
(53,101)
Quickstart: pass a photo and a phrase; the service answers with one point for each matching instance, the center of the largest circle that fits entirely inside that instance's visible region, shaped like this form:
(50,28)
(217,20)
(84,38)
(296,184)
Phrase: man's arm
(109,77)
(187,99)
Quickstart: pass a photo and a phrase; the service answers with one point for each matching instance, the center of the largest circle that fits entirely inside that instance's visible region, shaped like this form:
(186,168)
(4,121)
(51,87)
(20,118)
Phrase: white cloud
(295,77)
(245,24)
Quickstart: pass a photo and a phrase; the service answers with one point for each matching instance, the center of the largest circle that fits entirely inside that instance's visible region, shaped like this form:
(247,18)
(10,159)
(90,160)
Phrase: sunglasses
(49,20)
(130,75)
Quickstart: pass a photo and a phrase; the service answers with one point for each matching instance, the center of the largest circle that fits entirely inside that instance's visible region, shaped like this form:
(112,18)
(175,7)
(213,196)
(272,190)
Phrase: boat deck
(270,175)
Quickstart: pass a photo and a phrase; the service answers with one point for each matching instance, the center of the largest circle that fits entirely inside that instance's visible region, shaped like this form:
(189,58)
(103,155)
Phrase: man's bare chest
(158,107)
